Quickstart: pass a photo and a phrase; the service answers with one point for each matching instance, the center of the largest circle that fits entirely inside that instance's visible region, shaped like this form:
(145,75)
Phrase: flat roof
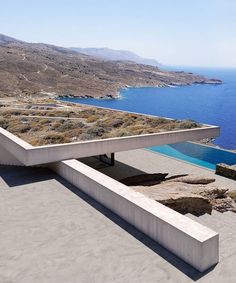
(43,125)
(62,235)
(56,134)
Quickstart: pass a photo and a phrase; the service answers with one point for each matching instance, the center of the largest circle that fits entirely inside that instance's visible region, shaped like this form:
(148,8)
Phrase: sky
(175,32)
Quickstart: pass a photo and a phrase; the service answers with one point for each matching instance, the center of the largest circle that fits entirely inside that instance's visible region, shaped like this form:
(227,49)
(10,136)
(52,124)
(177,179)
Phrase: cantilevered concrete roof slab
(35,155)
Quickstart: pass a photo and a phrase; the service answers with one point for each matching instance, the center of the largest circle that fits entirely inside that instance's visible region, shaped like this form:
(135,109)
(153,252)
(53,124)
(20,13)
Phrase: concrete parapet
(192,242)
(6,158)
(52,153)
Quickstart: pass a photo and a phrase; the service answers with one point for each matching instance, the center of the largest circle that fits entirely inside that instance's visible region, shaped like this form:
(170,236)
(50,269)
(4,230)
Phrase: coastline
(117,92)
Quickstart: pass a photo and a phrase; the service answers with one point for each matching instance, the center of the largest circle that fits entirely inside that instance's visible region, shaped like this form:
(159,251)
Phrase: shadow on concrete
(118,171)
(15,176)
(184,267)
(18,175)
(128,175)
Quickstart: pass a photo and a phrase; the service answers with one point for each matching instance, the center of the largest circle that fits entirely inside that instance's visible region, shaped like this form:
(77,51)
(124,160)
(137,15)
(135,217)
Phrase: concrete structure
(50,232)
(29,155)
(192,242)
(226,170)
(7,158)
(195,244)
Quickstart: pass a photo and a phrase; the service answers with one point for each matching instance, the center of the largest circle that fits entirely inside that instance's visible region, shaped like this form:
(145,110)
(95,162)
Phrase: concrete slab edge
(30,155)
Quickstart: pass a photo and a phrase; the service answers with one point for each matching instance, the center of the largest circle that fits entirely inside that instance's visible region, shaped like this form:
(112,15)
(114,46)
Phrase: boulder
(197,180)
(189,198)
(184,193)
(193,204)
(178,196)
(224,204)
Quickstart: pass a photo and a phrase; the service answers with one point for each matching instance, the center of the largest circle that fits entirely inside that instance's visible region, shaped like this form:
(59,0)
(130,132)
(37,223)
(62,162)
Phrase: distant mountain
(116,55)
(4,39)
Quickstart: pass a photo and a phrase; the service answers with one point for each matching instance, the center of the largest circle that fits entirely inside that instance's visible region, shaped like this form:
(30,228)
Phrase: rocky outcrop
(193,204)
(195,180)
(188,194)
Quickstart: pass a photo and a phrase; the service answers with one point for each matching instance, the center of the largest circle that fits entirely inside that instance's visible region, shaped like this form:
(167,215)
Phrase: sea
(204,103)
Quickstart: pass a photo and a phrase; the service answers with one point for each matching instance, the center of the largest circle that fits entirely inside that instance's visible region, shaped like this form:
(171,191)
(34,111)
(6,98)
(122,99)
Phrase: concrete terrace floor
(139,161)
(52,232)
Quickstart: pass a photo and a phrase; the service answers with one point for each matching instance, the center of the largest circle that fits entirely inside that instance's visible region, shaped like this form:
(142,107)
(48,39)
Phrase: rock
(219,197)
(144,179)
(213,192)
(184,193)
(195,180)
(187,197)
(178,196)
(194,204)
(223,204)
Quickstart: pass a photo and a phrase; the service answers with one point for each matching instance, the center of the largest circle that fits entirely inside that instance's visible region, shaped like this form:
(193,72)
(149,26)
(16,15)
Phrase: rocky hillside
(42,69)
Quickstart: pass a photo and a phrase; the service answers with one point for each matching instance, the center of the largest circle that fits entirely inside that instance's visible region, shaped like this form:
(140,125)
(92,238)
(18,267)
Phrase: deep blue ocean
(210,104)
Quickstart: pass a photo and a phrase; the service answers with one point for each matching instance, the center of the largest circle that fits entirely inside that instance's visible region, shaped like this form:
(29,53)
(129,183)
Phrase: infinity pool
(197,154)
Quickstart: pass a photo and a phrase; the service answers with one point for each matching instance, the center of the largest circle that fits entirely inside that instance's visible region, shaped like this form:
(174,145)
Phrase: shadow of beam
(184,267)
(15,176)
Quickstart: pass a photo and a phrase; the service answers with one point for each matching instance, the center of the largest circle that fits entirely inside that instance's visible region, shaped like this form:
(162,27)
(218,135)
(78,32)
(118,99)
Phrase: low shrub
(69,125)
(18,128)
(188,124)
(95,131)
(4,123)
(92,119)
(85,137)
(53,138)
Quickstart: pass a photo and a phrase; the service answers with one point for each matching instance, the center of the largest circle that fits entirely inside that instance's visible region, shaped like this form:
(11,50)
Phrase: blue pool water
(197,154)
(209,104)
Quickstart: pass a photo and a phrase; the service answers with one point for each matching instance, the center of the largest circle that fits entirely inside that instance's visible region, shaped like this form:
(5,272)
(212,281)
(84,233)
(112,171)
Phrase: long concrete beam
(192,242)
(29,155)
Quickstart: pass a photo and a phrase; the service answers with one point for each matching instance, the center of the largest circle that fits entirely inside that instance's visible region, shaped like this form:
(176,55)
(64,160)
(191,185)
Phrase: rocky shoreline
(116,94)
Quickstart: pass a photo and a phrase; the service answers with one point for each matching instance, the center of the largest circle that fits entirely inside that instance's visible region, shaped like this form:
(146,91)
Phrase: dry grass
(43,127)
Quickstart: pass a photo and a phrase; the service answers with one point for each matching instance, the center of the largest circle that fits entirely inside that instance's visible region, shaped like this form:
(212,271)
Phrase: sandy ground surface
(51,232)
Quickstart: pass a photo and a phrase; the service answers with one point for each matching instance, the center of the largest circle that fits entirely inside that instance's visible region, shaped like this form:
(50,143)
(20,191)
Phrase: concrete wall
(29,155)
(192,242)
(52,153)
(16,147)
(228,171)
(6,158)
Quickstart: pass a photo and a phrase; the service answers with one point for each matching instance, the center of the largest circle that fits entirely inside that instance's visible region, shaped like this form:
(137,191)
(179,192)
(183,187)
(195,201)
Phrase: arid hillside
(42,69)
